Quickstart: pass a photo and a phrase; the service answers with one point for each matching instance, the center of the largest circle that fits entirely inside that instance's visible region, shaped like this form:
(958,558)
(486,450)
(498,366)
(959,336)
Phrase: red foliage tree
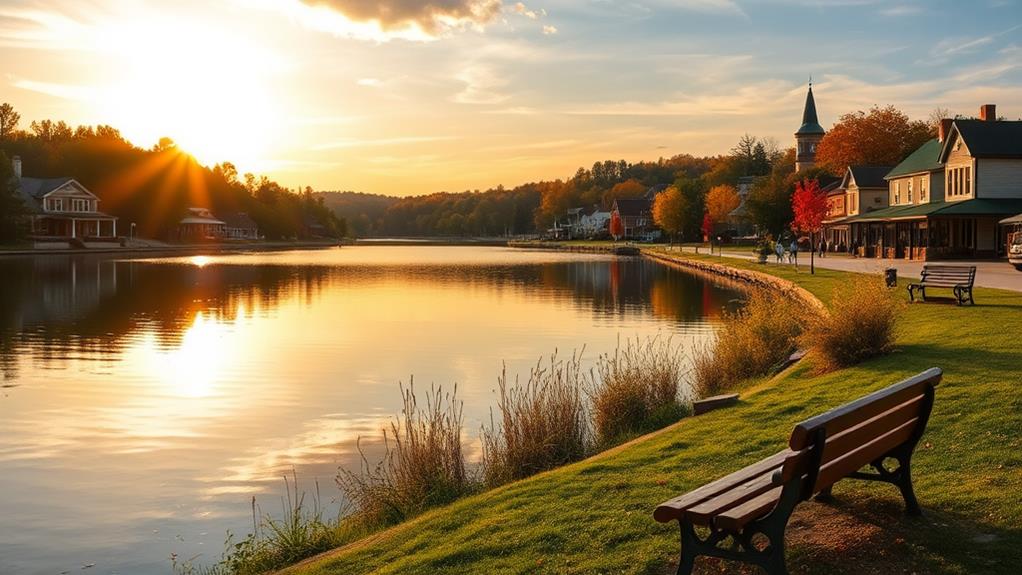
(809,204)
(617,227)
(707,226)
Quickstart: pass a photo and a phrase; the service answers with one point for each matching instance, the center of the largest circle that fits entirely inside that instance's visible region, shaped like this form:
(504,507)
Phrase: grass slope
(594,516)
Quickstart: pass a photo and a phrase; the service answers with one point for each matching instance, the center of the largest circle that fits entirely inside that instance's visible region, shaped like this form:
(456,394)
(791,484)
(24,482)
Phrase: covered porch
(81,227)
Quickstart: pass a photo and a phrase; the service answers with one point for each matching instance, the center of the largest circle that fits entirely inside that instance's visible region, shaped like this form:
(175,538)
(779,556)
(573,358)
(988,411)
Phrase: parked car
(1015,250)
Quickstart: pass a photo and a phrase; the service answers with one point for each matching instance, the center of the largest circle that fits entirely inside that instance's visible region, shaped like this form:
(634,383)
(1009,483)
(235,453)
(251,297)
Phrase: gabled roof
(926,158)
(240,220)
(633,206)
(986,139)
(866,176)
(810,123)
(33,190)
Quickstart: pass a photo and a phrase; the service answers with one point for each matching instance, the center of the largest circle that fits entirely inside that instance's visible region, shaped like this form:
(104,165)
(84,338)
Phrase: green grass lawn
(595,516)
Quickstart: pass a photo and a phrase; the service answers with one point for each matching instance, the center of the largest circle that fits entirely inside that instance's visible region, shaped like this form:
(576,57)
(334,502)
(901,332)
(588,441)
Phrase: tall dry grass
(861,324)
(752,341)
(423,466)
(638,389)
(544,422)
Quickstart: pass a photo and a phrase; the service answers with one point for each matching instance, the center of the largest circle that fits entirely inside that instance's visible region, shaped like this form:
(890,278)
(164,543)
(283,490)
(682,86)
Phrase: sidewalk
(992,274)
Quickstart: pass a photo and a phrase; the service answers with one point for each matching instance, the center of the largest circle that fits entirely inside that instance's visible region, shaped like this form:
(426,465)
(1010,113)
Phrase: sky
(403,98)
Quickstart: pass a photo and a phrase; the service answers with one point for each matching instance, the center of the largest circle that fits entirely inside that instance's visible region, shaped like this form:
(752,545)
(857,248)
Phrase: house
(948,197)
(636,217)
(739,220)
(62,210)
(865,192)
(835,229)
(199,225)
(588,222)
(240,226)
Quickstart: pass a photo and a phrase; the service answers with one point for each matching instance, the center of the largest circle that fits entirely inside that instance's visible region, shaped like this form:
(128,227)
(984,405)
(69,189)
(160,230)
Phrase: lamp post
(131,233)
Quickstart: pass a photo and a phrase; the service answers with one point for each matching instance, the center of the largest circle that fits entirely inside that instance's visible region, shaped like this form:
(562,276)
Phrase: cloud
(482,85)
(548,29)
(369,82)
(433,17)
(520,8)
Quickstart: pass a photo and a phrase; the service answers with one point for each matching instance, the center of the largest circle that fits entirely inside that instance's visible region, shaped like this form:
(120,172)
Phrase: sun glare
(208,90)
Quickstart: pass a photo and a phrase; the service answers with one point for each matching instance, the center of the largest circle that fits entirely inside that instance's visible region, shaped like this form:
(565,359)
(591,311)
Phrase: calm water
(145,402)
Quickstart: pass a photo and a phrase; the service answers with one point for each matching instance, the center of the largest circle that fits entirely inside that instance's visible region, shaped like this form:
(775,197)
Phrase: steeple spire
(809,134)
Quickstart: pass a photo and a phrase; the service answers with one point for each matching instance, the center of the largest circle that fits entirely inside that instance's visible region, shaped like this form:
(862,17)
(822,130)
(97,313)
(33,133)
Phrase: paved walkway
(993,274)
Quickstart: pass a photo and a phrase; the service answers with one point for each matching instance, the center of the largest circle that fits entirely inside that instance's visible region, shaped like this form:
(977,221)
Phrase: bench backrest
(959,274)
(860,432)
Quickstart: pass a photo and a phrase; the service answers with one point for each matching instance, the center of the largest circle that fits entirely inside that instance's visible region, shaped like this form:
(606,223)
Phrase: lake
(145,402)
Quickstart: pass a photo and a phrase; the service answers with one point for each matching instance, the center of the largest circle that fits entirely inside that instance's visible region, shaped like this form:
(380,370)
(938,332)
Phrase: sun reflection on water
(194,367)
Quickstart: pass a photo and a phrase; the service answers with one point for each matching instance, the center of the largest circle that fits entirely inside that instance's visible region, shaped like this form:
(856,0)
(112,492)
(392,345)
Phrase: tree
(671,211)
(720,201)
(9,119)
(707,228)
(809,206)
(617,227)
(11,208)
(630,188)
(880,137)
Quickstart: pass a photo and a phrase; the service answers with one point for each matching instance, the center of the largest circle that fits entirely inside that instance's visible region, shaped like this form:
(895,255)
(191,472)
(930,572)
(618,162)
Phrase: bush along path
(595,516)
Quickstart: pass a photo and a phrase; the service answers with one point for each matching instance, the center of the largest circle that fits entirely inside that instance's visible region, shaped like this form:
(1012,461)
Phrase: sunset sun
(204,88)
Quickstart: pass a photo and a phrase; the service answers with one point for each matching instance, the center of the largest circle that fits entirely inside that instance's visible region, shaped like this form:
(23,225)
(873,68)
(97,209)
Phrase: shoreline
(189,249)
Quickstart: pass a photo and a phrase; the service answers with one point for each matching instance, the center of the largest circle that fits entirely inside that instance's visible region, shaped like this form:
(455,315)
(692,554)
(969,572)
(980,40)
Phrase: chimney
(16,164)
(944,129)
(988,113)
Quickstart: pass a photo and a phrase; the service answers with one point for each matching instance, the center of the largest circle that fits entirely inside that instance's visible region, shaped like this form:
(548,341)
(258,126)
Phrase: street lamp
(132,232)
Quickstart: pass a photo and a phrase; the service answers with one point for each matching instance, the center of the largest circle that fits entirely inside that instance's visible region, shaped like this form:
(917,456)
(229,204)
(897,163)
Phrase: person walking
(823,247)
(779,249)
(793,252)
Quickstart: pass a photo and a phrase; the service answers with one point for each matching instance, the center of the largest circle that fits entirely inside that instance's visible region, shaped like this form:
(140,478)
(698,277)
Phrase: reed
(862,324)
(752,341)
(637,389)
(544,423)
(423,465)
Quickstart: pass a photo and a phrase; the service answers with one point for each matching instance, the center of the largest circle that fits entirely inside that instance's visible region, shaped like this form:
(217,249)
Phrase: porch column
(72,228)
(114,223)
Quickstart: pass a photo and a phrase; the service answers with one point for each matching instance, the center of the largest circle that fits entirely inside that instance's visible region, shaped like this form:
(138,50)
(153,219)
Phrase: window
(79,205)
(967,189)
(897,192)
(922,188)
(910,190)
(55,205)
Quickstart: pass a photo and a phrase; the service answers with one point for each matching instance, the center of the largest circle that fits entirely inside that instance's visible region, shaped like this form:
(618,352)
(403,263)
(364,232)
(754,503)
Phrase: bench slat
(838,469)
(854,437)
(850,414)
(704,513)
(737,517)
(673,508)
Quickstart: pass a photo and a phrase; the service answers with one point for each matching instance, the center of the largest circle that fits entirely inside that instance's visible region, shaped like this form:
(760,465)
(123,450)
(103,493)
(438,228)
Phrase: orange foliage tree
(631,188)
(809,204)
(670,209)
(880,137)
(617,227)
(720,201)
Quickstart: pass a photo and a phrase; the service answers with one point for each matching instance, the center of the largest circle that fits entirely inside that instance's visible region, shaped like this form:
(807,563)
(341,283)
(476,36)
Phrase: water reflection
(152,398)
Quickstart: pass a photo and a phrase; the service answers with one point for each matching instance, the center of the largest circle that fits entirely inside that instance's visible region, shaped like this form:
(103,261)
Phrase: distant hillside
(364,213)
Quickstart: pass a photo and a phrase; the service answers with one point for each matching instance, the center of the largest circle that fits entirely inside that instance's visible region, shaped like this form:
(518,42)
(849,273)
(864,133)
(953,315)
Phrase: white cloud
(482,85)
(369,82)
(549,30)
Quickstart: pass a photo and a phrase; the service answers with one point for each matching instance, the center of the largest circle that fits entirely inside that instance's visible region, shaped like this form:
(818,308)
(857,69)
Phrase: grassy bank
(594,516)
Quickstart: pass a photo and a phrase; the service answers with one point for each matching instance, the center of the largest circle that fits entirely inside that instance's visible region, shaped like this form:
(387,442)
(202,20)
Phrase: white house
(62,209)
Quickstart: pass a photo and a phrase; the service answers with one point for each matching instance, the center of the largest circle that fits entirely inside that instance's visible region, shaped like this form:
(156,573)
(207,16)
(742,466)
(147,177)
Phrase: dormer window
(910,191)
(55,205)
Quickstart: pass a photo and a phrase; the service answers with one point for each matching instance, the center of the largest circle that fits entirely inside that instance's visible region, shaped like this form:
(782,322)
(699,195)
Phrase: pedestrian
(779,249)
(793,252)
(823,247)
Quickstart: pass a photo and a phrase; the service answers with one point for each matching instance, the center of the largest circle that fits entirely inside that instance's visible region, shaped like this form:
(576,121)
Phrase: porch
(65,227)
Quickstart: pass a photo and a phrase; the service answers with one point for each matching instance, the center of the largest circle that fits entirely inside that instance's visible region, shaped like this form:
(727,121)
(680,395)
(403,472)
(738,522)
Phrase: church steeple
(808,135)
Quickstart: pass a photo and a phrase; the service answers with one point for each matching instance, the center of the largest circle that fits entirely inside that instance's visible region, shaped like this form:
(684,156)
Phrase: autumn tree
(720,201)
(11,207)
(671,211)
(9,119)
(809,206)
(630,188)
(617,227)
(880,137)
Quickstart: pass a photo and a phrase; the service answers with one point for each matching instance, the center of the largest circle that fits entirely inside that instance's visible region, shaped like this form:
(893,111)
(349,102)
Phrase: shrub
(752,341)
(423,466)
(861,325)
(637,390)
(543,423)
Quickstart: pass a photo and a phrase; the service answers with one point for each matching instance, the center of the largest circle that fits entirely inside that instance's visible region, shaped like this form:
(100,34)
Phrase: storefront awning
(1012,220)
(976,207)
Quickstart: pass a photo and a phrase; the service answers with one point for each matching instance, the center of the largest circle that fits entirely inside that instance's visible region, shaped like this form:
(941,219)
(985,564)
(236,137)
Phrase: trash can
(891,277)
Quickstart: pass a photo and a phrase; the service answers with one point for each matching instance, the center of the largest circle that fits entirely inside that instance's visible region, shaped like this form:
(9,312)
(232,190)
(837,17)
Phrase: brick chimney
(988,113)
(16,165)
(944,128)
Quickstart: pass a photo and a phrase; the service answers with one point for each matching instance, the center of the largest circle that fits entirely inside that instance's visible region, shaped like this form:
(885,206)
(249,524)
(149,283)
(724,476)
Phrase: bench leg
(689,542)
(904,483)
(825,495)
(911,293)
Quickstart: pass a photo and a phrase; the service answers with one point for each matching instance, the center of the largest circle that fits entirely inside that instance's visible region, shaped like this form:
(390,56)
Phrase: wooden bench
(959,279)
(751,507)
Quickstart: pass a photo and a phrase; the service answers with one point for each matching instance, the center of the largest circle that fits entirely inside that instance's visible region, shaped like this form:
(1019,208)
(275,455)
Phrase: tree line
(153,187)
